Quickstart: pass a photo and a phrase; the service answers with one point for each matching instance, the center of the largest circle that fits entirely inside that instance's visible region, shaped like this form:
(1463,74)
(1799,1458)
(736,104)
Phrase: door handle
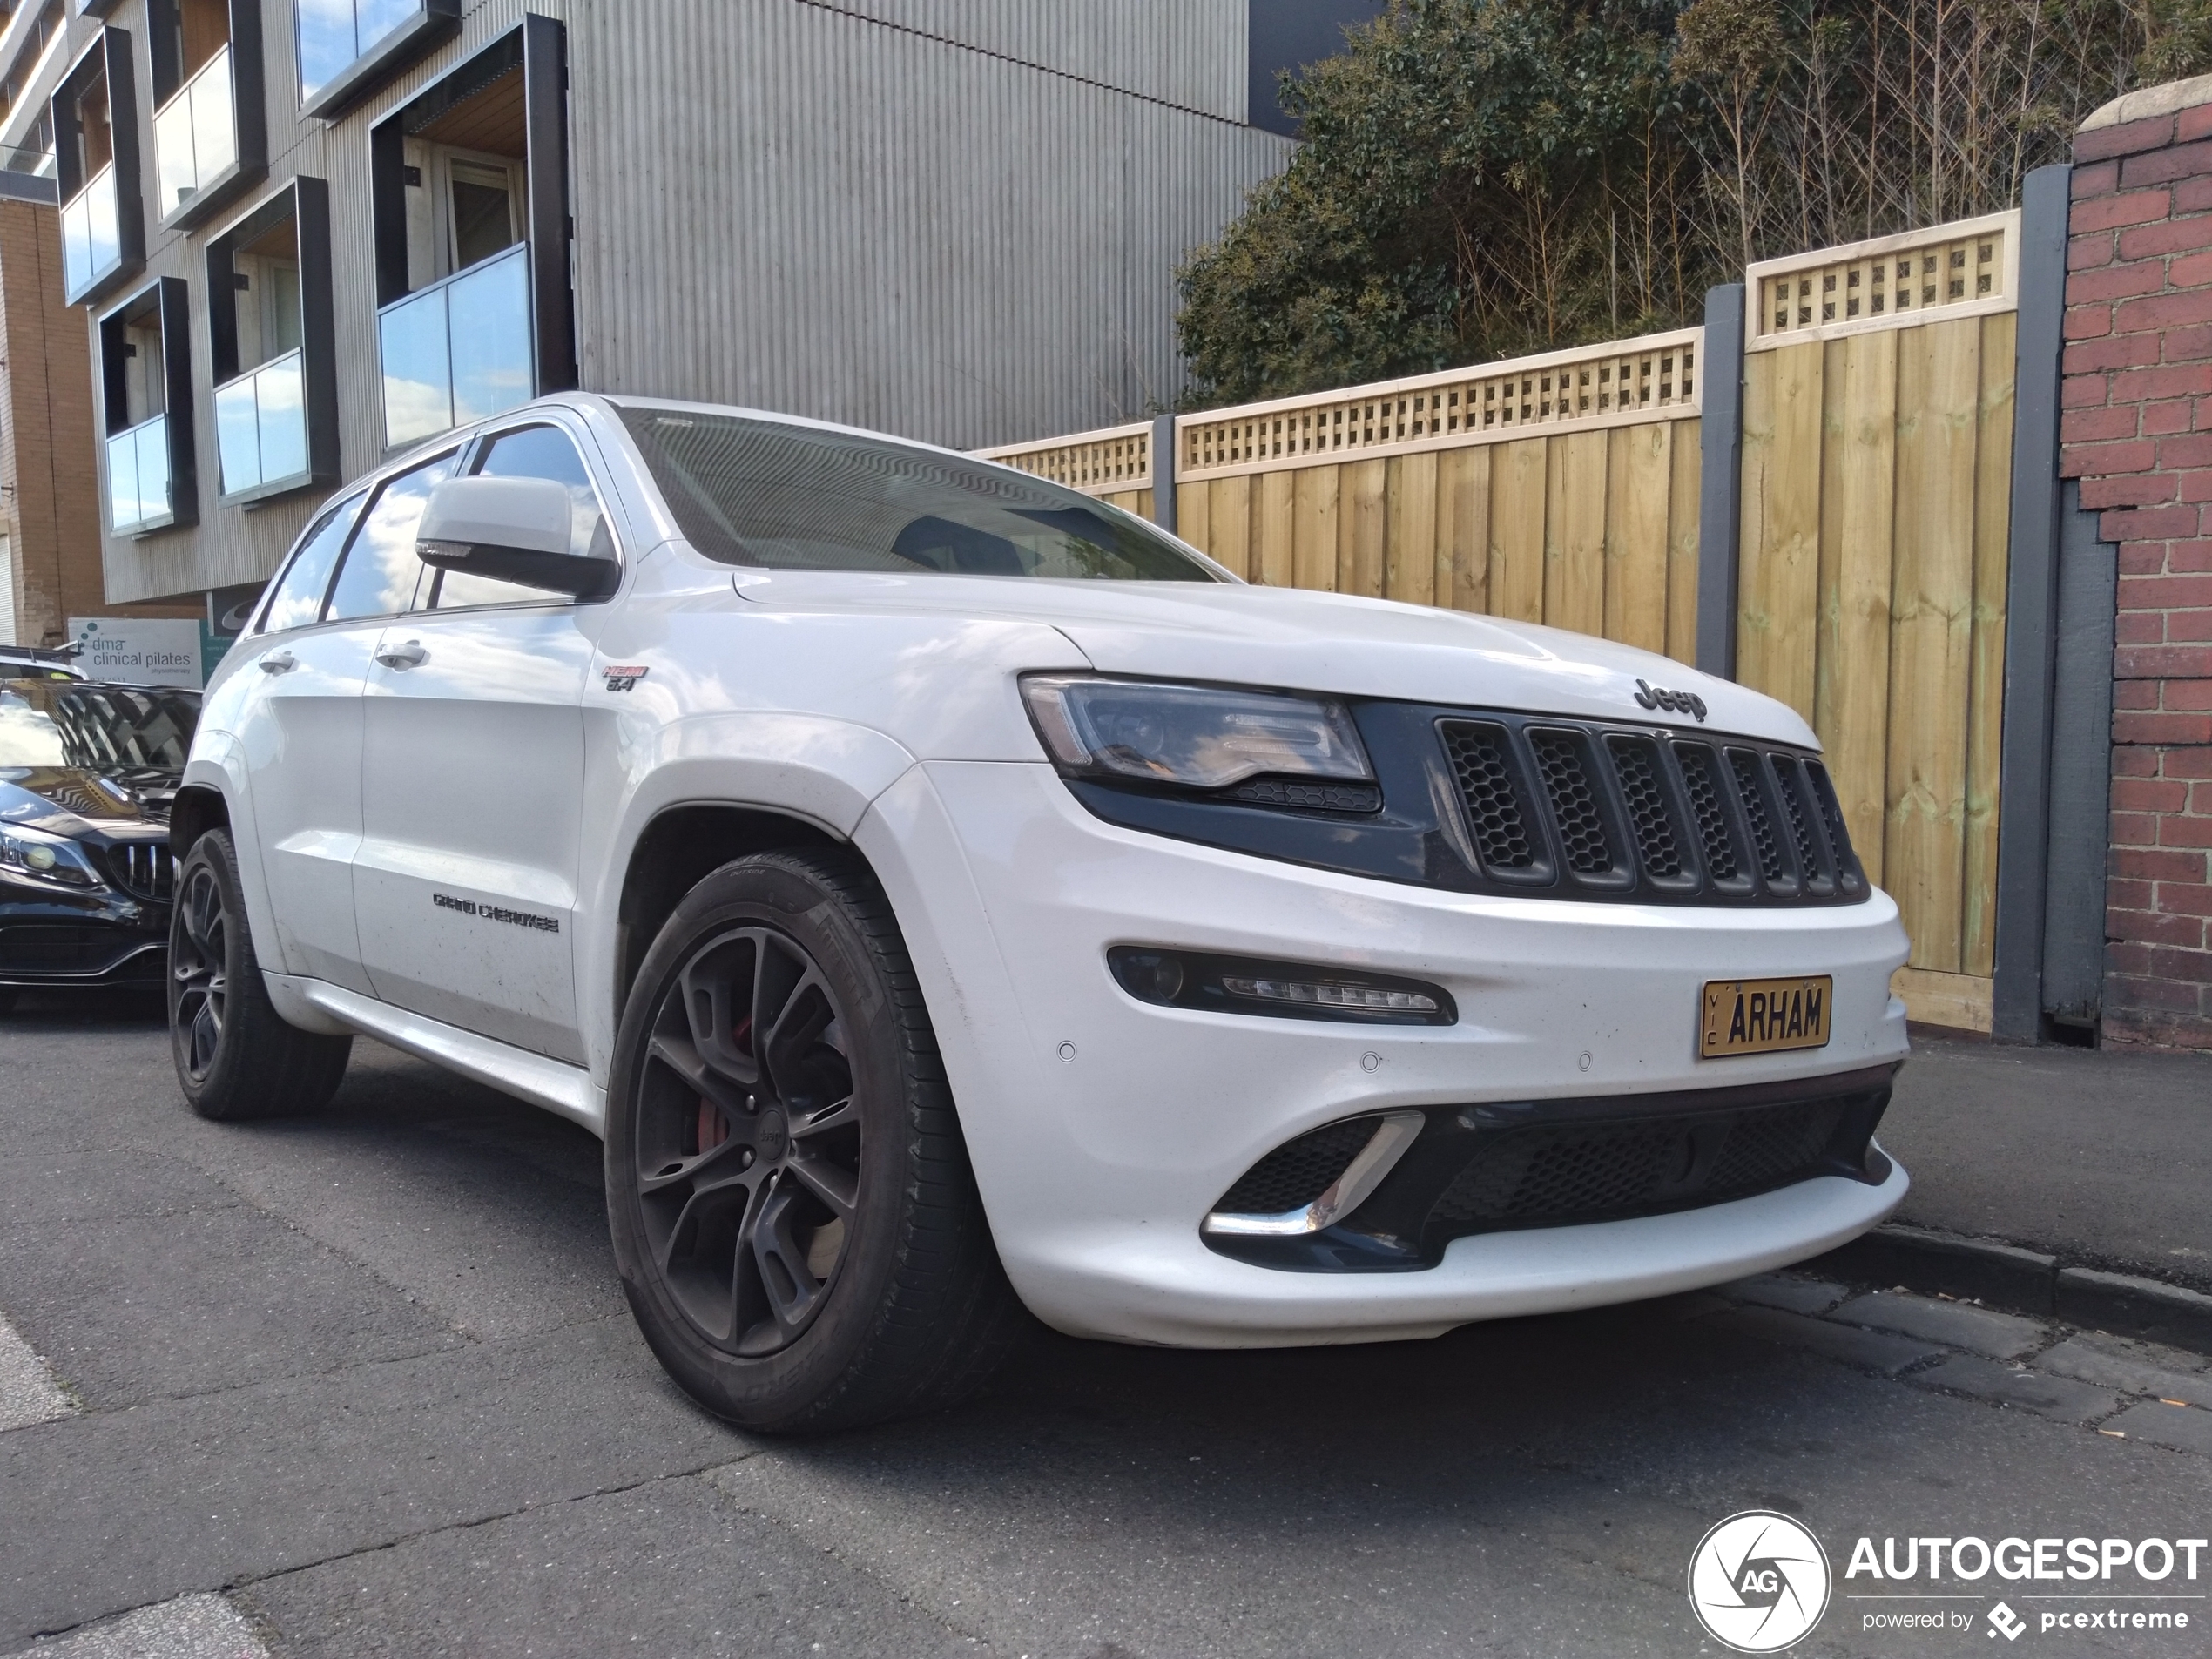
(278,661)
(410,655)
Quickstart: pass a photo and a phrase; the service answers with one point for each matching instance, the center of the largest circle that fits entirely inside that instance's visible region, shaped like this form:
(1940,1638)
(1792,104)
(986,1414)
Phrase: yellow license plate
(1762,1015)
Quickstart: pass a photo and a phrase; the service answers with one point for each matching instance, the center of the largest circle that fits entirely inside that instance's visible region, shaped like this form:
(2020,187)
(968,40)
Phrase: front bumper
(94,938)
(1104,1130)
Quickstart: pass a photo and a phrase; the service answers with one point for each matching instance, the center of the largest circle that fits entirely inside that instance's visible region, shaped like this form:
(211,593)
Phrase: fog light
(1314,994)
(1190,979)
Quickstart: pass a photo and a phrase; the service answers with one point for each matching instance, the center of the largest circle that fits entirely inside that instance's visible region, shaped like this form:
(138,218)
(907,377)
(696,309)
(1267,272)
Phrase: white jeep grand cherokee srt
(939,888)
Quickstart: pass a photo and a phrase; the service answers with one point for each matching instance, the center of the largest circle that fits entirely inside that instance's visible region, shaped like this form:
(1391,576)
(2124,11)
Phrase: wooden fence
(1878,435)
(1564,489)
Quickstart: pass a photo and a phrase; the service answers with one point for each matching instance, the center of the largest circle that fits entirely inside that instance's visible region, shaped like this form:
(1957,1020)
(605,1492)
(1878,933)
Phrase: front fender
(819,770)
(218,762)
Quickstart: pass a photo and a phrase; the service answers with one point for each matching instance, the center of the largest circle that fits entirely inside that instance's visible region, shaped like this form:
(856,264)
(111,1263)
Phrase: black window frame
(306,200)
(249,106)
(172,300)
(538,45)
(460,452)
(434,22)
(108,54)
(350,501)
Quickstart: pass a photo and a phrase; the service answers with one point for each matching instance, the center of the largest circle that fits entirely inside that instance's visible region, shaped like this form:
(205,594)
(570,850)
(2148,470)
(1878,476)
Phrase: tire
(236,1058)
(799,1234)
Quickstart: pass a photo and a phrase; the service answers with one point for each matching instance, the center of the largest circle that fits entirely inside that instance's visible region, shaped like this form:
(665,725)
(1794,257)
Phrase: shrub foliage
(1483,178)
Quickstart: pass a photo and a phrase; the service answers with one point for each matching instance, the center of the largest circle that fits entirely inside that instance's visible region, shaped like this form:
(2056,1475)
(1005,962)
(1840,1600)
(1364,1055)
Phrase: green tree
(1483,178)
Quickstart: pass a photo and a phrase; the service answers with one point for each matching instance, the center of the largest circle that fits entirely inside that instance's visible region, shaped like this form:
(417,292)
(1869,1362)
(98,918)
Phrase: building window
(347,48)
(269,328)
(210,136)
(31,56)
(97,165)
(145,398)
(469,183)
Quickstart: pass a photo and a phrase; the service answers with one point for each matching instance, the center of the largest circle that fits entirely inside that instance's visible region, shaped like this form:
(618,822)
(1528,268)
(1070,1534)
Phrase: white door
(301,732)
(472,787)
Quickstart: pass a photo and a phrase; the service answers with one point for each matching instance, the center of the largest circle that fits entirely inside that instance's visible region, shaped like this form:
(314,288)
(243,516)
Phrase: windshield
(792,498)
(62,722)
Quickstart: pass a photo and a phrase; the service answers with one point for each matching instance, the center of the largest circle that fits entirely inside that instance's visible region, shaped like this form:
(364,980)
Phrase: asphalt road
(363,1383)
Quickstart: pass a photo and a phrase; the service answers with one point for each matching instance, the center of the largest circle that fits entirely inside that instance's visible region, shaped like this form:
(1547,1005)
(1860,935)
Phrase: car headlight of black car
(43,860)
(1193,737)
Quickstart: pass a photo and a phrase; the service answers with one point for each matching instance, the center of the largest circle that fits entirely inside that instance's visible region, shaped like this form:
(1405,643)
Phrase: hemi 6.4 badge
(622,679)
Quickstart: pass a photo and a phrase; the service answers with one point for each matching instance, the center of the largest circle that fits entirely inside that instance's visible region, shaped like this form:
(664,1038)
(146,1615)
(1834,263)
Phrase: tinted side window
(297,599)
(382,572)
(533,452)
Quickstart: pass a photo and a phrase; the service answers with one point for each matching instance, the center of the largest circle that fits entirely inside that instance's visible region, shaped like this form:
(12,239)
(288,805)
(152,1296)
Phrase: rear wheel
(235,1056)
(796,1228)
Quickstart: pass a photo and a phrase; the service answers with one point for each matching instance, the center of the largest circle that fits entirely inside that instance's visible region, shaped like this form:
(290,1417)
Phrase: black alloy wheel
(796,1228)
(199,976)
(236,1058)
(747,1155)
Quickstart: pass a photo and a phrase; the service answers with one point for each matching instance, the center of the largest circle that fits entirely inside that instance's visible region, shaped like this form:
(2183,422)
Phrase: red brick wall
(2137,432)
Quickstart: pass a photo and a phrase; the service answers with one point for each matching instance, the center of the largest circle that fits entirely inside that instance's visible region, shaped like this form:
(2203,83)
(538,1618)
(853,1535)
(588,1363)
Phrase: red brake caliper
(712,1130)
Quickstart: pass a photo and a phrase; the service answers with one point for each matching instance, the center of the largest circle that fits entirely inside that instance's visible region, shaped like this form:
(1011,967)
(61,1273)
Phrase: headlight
(30,854)
(1202,737)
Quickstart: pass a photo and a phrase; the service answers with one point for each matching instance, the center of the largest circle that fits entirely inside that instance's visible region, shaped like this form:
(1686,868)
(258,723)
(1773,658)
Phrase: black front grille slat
(1750,785)
(1849,876)
(1297,1172)
(1577,803)
(144,869)
(1798,809)
(1709,802)
(1635,761)
(1496,814)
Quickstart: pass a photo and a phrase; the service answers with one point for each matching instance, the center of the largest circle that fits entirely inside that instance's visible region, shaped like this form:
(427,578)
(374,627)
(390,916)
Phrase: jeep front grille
(1591,810)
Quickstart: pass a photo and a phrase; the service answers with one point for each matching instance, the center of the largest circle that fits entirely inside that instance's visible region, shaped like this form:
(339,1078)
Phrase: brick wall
(48,462)
(49,478)
(2137,432)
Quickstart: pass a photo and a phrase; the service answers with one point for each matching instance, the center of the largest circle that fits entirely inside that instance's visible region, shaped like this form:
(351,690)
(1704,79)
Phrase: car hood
(129,803)
(1300,640)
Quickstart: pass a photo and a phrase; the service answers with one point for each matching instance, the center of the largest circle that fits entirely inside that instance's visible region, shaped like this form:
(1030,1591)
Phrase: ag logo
(1758,1581)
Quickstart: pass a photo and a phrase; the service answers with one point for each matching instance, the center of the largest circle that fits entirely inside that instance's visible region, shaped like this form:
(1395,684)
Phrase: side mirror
(516,529)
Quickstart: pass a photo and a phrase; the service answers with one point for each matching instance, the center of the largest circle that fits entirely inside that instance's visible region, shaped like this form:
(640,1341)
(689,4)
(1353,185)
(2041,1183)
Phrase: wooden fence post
(1720,370)
(2031,618)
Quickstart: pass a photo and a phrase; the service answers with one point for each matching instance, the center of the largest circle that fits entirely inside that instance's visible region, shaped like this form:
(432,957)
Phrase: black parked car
(87,772)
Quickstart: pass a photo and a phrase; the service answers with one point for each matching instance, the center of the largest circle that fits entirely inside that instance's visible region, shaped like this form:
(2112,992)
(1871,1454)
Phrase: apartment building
(306,234)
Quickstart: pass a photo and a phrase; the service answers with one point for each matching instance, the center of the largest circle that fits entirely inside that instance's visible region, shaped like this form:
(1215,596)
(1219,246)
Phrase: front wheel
(235,1056)
(796,1225)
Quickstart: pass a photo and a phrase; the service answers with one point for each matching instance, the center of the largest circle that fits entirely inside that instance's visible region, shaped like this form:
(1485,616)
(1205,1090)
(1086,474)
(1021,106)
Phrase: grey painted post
(2030,614)
(1720,488)
(1164,471)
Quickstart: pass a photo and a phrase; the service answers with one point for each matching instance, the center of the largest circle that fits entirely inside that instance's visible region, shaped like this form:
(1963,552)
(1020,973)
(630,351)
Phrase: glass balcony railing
(334,33)
(91,234)
(195,134)
(137,478)
(459,350)
(261,426)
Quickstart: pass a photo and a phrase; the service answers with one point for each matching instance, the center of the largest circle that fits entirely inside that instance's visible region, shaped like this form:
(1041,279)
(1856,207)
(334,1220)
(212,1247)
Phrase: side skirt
(318,1005)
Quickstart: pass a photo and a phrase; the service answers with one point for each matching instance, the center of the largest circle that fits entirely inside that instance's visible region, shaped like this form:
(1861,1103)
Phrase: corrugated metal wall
(938,217)
(864,224)
(1119,43)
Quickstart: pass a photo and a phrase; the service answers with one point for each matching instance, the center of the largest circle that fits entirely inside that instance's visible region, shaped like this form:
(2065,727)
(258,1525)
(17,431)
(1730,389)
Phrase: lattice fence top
(1105,463)
(1962,269)
(1618,384)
